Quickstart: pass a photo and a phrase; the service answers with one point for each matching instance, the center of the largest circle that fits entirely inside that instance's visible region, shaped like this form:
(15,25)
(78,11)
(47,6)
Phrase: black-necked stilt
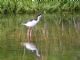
(32,47)
(30,24)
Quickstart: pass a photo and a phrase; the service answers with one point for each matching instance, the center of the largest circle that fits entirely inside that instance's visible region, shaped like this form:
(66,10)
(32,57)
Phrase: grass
(58,41)
(47,6)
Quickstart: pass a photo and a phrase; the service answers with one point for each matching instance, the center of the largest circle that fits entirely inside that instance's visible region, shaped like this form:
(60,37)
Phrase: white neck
(38,19)
(37,53)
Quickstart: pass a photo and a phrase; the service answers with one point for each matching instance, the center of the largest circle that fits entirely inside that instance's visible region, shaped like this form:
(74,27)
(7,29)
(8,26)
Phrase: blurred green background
(32,6)
(57,36)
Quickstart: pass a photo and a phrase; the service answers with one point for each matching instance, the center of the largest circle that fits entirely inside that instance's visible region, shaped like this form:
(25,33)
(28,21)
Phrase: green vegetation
(32,6)
(57,36)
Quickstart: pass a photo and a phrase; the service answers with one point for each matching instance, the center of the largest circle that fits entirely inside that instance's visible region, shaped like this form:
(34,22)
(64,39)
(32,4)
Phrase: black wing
(25,21)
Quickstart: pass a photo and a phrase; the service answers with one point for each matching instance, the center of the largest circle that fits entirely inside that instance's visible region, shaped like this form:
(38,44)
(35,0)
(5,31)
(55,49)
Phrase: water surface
(57,37)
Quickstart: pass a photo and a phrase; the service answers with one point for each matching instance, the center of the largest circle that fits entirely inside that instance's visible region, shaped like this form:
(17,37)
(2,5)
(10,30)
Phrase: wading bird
(30,24)
(32,47)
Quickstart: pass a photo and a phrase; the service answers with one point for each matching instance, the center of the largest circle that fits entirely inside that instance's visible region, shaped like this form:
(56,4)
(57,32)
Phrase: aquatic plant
(32,6)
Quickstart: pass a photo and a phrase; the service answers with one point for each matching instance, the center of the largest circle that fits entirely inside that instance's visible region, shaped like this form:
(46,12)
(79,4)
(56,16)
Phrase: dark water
(57,36)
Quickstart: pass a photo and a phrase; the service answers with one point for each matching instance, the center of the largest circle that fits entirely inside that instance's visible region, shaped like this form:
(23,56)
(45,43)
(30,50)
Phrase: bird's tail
(22,24)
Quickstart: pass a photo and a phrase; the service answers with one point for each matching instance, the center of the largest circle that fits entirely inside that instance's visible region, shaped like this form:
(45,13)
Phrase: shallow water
(57,36)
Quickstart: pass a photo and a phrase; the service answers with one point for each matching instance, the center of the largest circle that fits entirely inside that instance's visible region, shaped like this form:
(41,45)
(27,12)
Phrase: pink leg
(30,35)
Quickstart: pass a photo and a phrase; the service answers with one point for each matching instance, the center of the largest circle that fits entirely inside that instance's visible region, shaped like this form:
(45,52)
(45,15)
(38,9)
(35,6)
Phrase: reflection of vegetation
(56,36)
(31,6)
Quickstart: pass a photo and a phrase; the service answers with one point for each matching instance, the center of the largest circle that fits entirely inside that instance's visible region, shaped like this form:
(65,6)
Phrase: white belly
(30,46)
(31,24)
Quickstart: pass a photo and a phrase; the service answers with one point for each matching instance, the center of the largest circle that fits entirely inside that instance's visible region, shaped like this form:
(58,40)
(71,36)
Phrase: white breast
(31,23)
(30,46)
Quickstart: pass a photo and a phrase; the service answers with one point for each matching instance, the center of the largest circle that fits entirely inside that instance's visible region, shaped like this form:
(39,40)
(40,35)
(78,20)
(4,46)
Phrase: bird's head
(39,15)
